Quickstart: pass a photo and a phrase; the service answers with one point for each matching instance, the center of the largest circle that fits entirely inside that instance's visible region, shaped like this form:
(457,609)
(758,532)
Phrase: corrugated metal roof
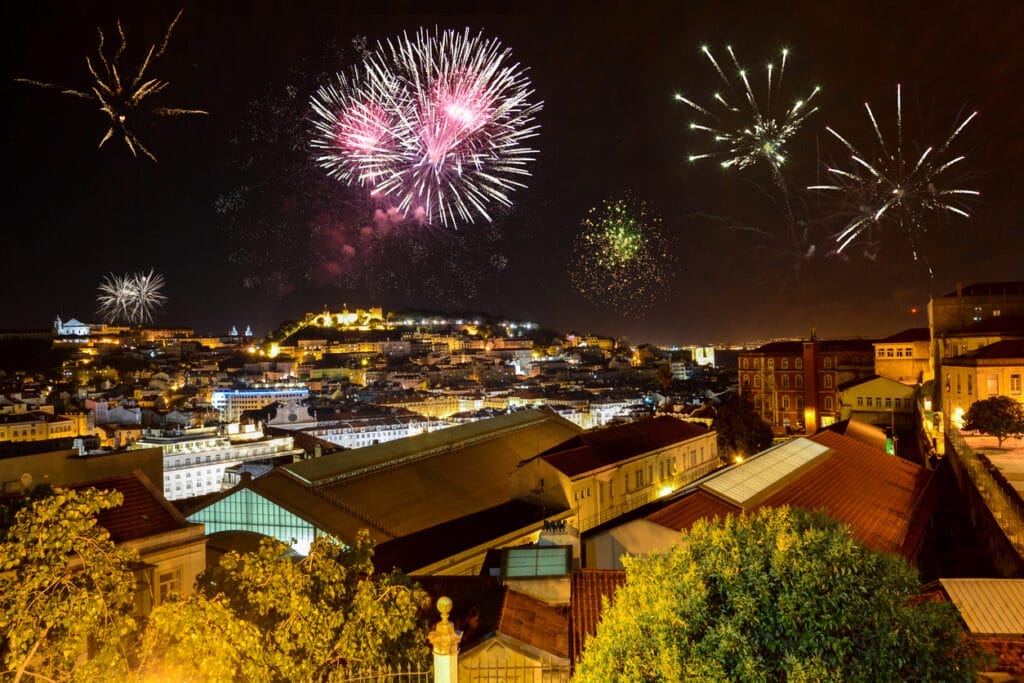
(340,466)
(741,484)
(989,606)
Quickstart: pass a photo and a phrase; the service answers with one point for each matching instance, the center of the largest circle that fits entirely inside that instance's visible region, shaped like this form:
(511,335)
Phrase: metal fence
(408,674)
(999,495)
(480,672)
(513,673)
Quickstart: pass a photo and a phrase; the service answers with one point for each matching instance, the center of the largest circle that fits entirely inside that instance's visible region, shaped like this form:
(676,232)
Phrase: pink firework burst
(434,125)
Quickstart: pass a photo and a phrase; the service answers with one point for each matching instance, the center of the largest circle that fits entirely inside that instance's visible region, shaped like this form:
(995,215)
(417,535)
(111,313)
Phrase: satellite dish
(26,481)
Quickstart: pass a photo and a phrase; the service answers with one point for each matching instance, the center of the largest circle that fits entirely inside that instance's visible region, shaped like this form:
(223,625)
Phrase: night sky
(242,223)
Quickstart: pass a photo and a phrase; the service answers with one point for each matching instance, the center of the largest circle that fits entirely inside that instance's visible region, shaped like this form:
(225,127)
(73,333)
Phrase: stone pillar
(445,640)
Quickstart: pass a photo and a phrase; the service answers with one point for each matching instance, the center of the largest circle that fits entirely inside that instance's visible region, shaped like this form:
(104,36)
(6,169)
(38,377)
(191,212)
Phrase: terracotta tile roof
(481,607)
(787,348)
(912,334)
(1009,654)
(588,587)
(876,494)
(990,289)
(144,511)
(682,514)
(603,447)
(535,623)
(476,604)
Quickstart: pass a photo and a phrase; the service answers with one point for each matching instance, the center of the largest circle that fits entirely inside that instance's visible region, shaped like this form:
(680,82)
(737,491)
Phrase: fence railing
(408,674)
(513,673)
(1001,498)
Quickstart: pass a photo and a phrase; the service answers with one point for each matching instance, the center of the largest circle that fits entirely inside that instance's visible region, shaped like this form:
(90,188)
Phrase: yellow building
(905,356)
(993,370)
(35,425)
(604,473)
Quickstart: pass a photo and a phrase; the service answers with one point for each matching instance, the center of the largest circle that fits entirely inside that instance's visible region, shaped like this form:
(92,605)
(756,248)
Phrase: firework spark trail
(446,116)
(118,99)
(889,187)
(131,298)
(754,133)
(621,257)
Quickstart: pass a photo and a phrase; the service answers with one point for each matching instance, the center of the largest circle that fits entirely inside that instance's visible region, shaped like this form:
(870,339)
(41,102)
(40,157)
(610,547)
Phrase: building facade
(794,385)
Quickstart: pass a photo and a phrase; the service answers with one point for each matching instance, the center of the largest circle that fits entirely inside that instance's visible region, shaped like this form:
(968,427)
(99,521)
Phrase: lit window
(167,583)
(1014,384)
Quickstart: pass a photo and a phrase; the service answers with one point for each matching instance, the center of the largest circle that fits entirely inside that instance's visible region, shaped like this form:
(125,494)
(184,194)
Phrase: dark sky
(235,214)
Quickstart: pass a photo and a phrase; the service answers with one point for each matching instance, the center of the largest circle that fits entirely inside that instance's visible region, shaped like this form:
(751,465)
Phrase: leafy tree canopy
(66,590)
(740,430)
(267,616)
(1000,416)
(779,595)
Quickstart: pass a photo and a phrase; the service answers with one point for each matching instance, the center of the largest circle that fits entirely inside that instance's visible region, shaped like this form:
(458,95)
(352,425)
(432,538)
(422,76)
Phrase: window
(881,352)
(888,353)
(896,403)
(828,363)
(771,363)
(899,353)
(958,383)
(860,401)
(798,363)
(799,381)
(167,583)
(799,402)
(746,363)
(785,364)
(869,402)
(1014,384)
(638,478)
(757,381)
(785,402)
(970,384)
(888,402)
(908,352)
(828,381)
(785,381)
(828,403)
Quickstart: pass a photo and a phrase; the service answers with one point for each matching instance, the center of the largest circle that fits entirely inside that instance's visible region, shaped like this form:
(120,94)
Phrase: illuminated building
(604,473)
(905,356)
(993,370)
(794,385)
(233,402)
(35,425)
(195,459)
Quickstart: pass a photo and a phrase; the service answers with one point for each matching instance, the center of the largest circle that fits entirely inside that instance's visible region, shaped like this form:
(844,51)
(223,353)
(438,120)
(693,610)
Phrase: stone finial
(444,637)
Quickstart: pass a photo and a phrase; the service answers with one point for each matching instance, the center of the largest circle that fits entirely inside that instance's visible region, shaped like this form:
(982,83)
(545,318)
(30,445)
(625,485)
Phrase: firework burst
(120,96)
(889,186)
(131,298)
(620,257)
(434,125)
(744,129)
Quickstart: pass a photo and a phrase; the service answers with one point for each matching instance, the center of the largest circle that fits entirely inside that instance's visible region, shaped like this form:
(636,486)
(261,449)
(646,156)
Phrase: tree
(740,430)
(66,590)
(1000,416)
(777,595)
(267,616)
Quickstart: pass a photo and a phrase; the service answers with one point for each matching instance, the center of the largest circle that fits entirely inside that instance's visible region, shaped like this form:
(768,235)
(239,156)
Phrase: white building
(71,328)
(357,433)
(195,459)
(233,402)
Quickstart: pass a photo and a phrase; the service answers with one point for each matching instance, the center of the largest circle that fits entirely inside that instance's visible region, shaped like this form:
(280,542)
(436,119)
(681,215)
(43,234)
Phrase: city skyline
(246,230)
